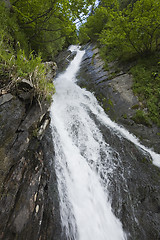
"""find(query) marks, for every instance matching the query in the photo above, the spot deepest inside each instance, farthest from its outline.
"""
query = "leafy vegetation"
(128, 30)
(141, 117)
(146, 85)
(48, 24)
(31, 32)
(15, 65)
(132, 30)
(94, 25)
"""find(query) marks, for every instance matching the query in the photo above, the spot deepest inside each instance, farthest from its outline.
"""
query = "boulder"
(5, 98)
(25, 90)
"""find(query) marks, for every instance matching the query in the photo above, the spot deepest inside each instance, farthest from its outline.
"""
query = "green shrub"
(15, 63)
(141, 118)
(34, 70)
(134, 29)
(146, 85)
(19, 67)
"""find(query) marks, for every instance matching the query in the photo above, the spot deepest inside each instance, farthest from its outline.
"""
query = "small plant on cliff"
(35, 71)
(14, 62)
(19, 67)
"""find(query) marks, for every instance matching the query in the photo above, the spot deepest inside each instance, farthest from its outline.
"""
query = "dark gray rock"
(29, 201)
(64, 59)
(11, 115)
(113, 89)
(25, 90)
(5, 98)
(134, 187)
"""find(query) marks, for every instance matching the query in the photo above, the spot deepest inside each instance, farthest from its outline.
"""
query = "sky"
(84, 17)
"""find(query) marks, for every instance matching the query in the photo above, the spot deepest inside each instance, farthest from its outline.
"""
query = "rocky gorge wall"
(29, 204)
(113, 89)
(135, 182)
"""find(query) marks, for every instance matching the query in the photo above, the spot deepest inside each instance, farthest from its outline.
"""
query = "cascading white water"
(86, 212)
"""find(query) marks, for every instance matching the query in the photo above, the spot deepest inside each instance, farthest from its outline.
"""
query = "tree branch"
(49, 41)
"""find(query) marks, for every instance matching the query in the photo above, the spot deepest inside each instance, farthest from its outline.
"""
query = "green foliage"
(142, 118)
(93, 26)
(49, 25)
(14, 63)
(125, 3)
(124, 31)
(10, 32)
(33, 69)
(110, 102)
(42, 28)
(146, 85)
(132, 30)
(136, 106)
(124, 116)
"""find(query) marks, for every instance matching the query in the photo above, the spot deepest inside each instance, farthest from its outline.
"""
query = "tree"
(48, 24)
(134, 29)
(94, 25)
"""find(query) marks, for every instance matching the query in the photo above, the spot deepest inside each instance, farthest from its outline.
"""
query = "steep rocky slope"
(134, 184)
(29, 205)
(113, 89)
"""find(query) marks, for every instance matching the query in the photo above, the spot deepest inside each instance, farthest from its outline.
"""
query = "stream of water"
(86, 212)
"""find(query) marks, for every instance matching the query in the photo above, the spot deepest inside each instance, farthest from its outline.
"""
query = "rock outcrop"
(64, 59)
(134, 183)
(29, 204)
(134, 188)
(113, 89)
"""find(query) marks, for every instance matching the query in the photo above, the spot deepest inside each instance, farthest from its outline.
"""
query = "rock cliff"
(113, 89)
(29, 205)
(134, 184)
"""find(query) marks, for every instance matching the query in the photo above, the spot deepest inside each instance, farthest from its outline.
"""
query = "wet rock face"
(51, 70)
(134, 182)
(113, 89)
(11, 114)
(64, 59)
(134, 187)
(29, 203)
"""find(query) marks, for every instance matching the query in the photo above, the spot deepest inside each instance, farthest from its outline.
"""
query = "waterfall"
(83, 160)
